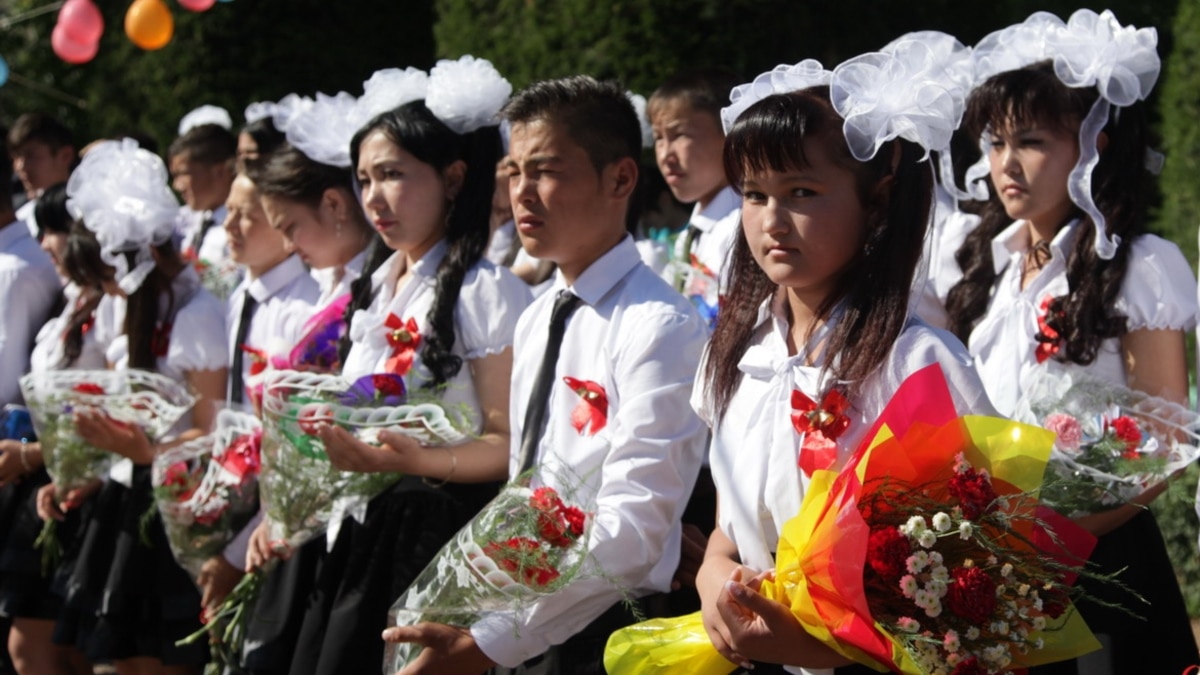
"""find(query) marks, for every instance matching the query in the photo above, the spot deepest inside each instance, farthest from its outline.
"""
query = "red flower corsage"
(1048, 339)
(591, 413)
(258, 359)
(405, 340)
(821, 426)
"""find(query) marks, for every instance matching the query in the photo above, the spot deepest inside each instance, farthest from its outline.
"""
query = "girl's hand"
(261, 549)
(348, 453)
(710, 582)
(13, 465)
(127, 440)
(48, 506)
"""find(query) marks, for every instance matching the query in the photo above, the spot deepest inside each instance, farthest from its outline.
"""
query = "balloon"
(197, 5)
(148, 24)
(3, 71)
(81, 21)
(69, 50)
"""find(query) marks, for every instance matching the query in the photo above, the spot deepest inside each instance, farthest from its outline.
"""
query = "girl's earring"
(337, 229)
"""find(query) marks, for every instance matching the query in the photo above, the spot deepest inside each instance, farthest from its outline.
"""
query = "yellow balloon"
(148, 24)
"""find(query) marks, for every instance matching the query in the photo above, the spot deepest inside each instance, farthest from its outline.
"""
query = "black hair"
(265, 135)
(596, 115)
(1086, 315)
(421, 134)
(206, 144)
(145, 330)
(290, 174)
(874, 286)
(50, 212)
(39, 127)
(704, 90)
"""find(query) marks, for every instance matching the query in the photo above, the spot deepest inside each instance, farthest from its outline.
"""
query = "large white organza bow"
(884, 96)
(205, 114)
(639, 107)
(782, 79)
(1122, 63)
(391, 88)
(322, 128)
(466, 94)
(121, 194)
(260, 110)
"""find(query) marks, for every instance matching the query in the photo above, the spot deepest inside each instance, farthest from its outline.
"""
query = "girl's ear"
(453, 177)
(333, 205)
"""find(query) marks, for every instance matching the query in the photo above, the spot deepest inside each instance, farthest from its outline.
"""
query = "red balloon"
(197, 5)
(70, 50)
(81, 20)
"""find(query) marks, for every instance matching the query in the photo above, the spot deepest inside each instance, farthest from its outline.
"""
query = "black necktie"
(236, 381)
(539, 396)
(205, 225)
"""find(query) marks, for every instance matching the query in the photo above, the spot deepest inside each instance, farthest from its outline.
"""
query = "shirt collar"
(1015, 239)
(426, 267)
(276, 278)
(13, 233)
(603, 275)
(724, 203)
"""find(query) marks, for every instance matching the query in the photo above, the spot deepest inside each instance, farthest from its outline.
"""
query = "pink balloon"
(197, 5)
(82, 21)
(70, 50)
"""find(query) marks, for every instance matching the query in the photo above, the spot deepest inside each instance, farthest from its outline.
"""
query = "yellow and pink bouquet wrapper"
(965, 599)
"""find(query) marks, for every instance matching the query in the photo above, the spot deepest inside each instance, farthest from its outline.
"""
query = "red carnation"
(545, 499)
(575, 520)
(974, 492)
(972, 594)
(387, 385)
(88, 388)
(552, 527)
(1126, 430)
(887, 551)
(969, 666)
(524, 556)
(1055, 602)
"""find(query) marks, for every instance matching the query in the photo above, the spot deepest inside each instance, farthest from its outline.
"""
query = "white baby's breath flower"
(941, 521)
(908, 625)
(965, 530)
(917, 562)
(972, 633)
(914, 526)
(927, 538)
(908, 585)
(951, 641)
(1007, 570)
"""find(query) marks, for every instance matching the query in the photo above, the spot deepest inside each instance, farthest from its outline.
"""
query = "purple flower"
(380, 389)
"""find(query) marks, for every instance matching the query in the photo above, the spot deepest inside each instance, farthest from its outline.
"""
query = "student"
(820, 276)
(29, 286)
(131, 602)
(64, 342)
(202, 169)
(43, 154)
(1066, 274)
(685, 116)
(572, 168)
(259, 137)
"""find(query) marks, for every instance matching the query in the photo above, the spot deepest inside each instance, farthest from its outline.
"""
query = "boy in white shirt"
(43, 154)
(202, 170)
(571, 170)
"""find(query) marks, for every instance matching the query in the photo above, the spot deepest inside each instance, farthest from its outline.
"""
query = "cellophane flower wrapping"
(1111, 443)
(301, 491)
(220, 278)
(927, 553)
(133, 397)
(207, 489)
(525, 544)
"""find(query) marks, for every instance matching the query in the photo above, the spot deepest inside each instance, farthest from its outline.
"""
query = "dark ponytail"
(415, 129)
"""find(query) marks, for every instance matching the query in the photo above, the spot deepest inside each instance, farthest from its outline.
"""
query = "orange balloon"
(148, 24)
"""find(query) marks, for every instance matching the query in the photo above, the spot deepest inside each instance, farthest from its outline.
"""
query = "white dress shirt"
(286, 297)
(48, 349)
(501, 242)
(755, 448)
(331, 285)
(27, 213)
(214, 249)
(1157, 293)
(28, 288)
(640, 340)
(489, 302)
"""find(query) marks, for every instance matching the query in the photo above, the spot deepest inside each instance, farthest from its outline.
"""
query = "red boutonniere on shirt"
(404, 339)
(1048, 339)
(258, 359)
(821, 425)
(160, 342)
(591, 413)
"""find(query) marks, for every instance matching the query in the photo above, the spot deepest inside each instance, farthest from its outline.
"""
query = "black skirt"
(274, 625)
(371, 565)
(1162, 641)
(125, 594)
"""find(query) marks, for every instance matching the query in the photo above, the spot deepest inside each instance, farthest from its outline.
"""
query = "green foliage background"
(250, 50)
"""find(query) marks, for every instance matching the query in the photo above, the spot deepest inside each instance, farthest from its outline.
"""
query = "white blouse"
(755, 449)
(48, 349)
(331, 285)
(1157, 293)
(489, 302)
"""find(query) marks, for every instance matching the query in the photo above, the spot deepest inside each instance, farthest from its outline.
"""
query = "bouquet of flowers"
(303, 493)
(927, 553)
(221, 278)
(131, 397)
(524, 544)
(1111, 443)
(207, 489)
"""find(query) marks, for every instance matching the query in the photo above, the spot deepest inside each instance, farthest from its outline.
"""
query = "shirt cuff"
(499, 636)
